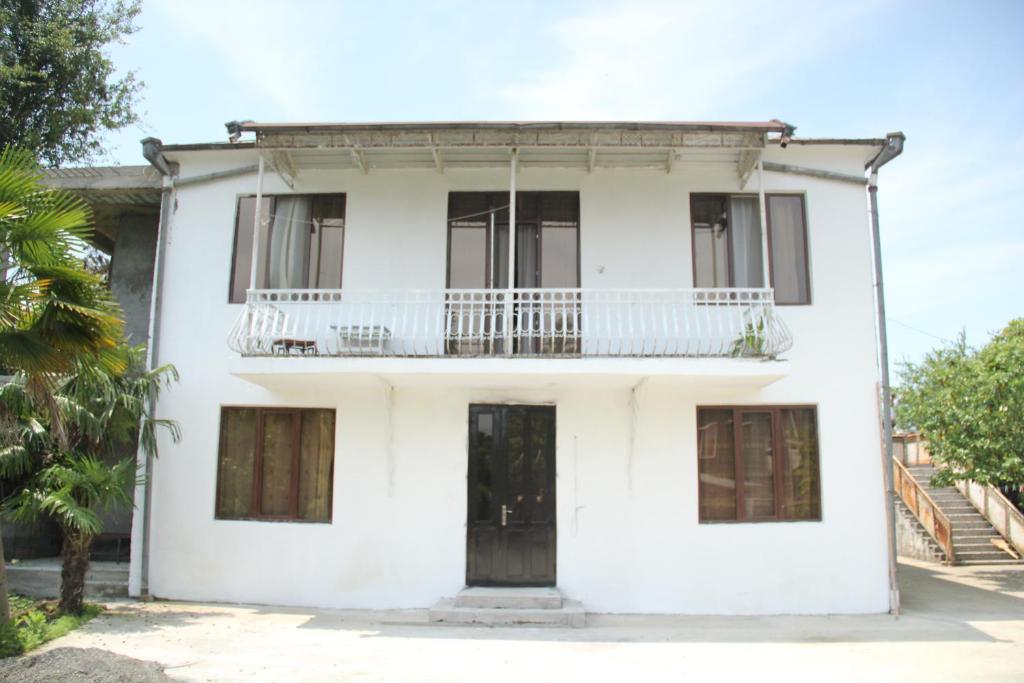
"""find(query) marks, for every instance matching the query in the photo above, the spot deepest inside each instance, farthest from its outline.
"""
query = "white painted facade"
(628, 537)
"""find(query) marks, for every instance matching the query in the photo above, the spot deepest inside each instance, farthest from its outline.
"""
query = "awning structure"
(291, 148)
(111, 192)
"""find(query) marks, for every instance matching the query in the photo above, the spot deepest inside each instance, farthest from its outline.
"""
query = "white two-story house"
(635, 362)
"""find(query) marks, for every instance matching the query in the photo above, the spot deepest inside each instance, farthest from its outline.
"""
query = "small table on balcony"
(288, 346)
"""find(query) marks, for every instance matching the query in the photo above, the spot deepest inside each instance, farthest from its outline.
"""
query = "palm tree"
(101, 413)
(52, 310)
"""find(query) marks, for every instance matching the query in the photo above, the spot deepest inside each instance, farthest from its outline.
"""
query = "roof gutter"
(893, 148)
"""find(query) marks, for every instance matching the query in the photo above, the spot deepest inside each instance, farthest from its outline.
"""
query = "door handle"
(504, 515)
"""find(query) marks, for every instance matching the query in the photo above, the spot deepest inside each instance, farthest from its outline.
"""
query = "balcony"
(518, 323)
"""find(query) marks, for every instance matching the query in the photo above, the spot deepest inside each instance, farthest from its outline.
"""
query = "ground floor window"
(275, 463)
(758, 463)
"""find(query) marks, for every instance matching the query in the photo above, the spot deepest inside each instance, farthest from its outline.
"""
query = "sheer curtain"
(745, 238)
(289, 243)
(788, 249)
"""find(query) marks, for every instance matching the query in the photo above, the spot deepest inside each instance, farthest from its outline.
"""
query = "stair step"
(961, 546)
(487, 597)
(1008, 560)
(571, 614)
(994, 554)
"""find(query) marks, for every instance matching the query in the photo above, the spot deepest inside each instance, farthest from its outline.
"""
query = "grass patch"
(34, 622)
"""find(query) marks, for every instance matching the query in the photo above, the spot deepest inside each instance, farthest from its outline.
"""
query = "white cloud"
(272, 48)
(658, 60)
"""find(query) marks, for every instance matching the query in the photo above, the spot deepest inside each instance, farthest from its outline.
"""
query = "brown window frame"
(257, 465)
(272, 198)
(768, 234)
(777, 462)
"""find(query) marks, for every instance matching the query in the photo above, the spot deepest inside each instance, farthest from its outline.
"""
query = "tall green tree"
(90, 469)
(969, 405)
(53, 312)
(59, 89)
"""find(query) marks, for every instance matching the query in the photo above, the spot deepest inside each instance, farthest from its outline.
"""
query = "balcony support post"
(257, 225)
(762, 205)
(509, 310)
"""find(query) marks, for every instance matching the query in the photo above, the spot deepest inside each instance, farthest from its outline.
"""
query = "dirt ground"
(958, 624)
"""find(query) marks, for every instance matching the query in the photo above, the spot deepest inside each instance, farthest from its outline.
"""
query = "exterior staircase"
(972, 534)
(509, 607)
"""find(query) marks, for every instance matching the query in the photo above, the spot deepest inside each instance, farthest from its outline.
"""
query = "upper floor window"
(727, 244)
(301, 248)
(758, 463)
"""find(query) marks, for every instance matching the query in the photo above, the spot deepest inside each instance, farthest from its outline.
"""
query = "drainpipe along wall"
(893, 148)
(138, 571)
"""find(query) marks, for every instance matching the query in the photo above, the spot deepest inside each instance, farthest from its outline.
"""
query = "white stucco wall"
(628, 537)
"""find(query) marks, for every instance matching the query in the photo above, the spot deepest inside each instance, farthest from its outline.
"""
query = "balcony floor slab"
(722, 372)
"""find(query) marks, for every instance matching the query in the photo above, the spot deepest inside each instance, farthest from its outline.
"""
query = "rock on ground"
(80, 665)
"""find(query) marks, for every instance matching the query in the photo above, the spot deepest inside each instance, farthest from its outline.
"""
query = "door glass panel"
(527, 273)
(800, 477)
(327, 241)
(758, 465)
(710, 242)
(278, 432)
(560, 258)
(717, 464)
(516, 462)
(482, 453)
(542, 431)
(468, 257)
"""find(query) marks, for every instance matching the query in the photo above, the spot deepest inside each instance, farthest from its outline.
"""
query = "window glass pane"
(800, 475)
(789, 249)
(744, 228)
(242, 255)
(716, 458)
(237, 457)
(758, 465)
(316, 457)
(278, 433)
(710, 241)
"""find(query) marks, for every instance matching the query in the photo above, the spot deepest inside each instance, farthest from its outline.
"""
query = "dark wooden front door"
(510, 532)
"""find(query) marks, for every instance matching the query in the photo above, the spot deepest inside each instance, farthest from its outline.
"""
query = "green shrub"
(34, 623)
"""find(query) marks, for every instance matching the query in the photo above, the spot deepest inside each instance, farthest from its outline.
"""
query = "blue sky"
(950, 75)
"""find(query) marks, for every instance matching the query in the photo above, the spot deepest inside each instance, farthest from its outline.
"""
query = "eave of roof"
(773, 125)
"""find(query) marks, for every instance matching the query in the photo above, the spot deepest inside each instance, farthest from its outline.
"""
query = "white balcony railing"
(525, 322)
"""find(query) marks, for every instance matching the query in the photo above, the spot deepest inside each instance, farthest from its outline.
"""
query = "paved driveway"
(959, 624)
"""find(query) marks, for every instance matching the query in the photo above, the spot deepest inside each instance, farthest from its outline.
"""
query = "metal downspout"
(138, 577)
(893, 148)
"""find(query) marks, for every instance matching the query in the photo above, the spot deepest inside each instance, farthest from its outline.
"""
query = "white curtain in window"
(289, 243)
(788, 249)
(745, 237)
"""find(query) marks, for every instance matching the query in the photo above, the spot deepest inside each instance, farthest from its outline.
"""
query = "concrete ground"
(958, 624)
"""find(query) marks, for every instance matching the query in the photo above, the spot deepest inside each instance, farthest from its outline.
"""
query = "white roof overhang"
(291, 149)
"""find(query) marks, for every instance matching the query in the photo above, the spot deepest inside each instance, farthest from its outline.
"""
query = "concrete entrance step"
(487, 597)
(570, 614)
